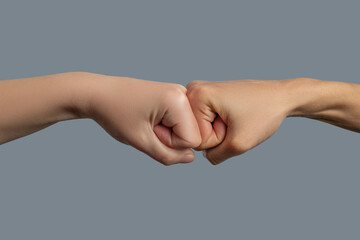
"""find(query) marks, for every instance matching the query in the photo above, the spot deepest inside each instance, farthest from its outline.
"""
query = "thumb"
(168, 137)
(230, 147)
(178, 127)
(211, 124)
(212, 133)
(164, 154)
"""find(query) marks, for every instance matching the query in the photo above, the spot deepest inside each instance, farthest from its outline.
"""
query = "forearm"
(337, 103)
(31, 104)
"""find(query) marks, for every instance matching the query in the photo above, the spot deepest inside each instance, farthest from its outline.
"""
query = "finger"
(179, 128)
(169, 138)
(219, 129)
(211, 125)
(212, 128)
(230, 147)
(167, 155)
(147, 142)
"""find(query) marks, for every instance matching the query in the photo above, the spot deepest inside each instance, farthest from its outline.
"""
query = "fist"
(235, 116)
(154, 117)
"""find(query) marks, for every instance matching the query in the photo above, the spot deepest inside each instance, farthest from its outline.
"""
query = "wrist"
(90, 92)
(314, 98)
(79, 89)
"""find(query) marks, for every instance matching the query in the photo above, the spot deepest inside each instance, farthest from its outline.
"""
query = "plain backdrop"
(73, 181)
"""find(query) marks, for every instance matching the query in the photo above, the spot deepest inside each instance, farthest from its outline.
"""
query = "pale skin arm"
(153, 117)
(236, 116)
(31, 104)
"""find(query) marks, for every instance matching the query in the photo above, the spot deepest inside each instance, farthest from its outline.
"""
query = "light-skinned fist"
(154, 117)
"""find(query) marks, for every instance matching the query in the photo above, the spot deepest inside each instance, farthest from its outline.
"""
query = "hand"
(157, 119)
(235, 116)
(153, 117)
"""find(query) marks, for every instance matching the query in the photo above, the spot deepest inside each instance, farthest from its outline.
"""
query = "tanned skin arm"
(235, 116)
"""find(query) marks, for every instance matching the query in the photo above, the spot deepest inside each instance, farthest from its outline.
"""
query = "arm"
(154, 117)
(337, 103)
(236, 116)
(31, 104)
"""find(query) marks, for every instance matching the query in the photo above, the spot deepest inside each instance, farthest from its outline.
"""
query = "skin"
(236, 116)
(166, 120)
(156, 118)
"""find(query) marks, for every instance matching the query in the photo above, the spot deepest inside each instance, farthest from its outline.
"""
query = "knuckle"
(176, 97)
(166, 159)
(178, 88)
(197, 141)
(159, 155)
(193, 84)
(175, 92)
(193, 143)
(181, 88)
(198, 92)
(194, 139)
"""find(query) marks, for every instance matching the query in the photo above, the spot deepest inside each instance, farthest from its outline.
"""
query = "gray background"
(73, 181)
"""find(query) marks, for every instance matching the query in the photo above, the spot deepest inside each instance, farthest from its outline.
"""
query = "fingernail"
(188, 158)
